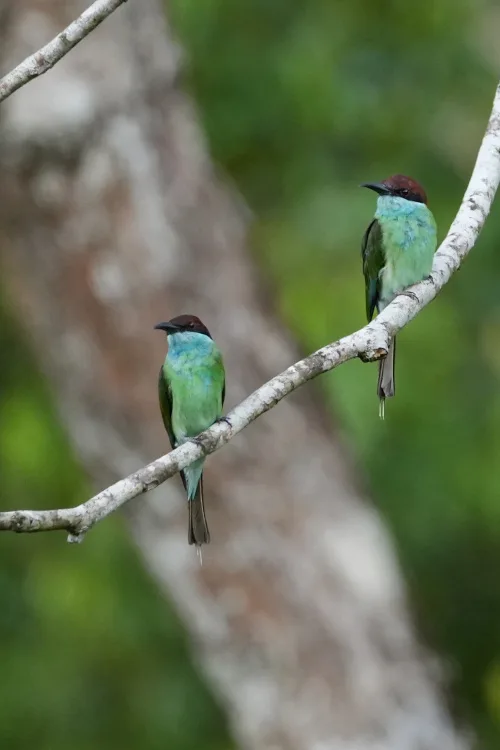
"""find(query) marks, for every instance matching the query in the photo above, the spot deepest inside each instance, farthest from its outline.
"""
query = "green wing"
(165, 396)
(222, 376)
(372, 254)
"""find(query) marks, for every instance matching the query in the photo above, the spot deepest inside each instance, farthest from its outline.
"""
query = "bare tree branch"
(46, 57)
(369, 343)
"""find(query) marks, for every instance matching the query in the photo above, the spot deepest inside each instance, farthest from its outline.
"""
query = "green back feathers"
(373, 262)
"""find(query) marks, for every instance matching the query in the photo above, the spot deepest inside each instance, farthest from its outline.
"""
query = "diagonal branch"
(369, 343)
(46, 57)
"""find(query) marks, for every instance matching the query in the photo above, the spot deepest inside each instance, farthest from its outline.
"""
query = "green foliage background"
(300, 102)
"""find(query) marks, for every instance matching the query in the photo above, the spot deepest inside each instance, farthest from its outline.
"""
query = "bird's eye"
(405, 191)
(191, 325)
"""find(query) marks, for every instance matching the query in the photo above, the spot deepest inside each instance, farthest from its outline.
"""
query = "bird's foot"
(411, 295)
(374, 355)
(226, 420)
(197, 441)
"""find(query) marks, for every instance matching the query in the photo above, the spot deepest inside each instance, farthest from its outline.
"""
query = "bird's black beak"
(168, 327)
(379, 187)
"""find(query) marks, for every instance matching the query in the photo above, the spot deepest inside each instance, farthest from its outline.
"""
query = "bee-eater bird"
(191, 388)
(397, 251)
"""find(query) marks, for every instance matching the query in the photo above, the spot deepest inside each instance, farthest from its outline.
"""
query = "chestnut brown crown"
(401, 186)
(184, 323)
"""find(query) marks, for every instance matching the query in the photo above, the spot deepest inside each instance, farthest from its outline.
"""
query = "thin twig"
(369, 343)
(46, 57)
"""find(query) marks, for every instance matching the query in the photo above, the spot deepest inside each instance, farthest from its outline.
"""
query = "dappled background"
(300, 103)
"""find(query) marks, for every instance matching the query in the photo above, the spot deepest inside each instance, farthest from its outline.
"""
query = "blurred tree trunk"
(111, 219)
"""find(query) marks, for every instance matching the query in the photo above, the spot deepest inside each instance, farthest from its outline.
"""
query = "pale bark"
(111, 220)
(47, 56)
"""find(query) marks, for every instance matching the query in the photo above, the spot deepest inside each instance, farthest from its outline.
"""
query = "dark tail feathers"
(198, 532)
(386, 386)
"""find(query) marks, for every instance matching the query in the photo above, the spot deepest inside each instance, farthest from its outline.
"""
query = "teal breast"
(410, 240)
(193, 367)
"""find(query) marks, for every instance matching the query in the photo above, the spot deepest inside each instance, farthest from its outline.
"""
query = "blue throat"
(392, 207)
(189, 342)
